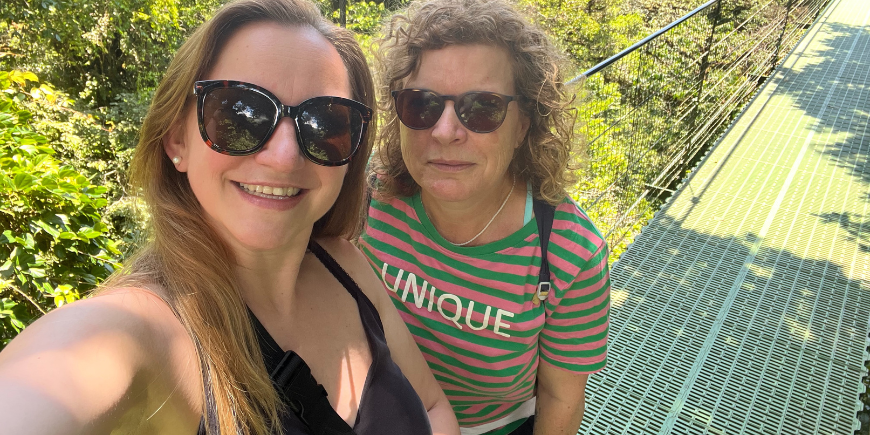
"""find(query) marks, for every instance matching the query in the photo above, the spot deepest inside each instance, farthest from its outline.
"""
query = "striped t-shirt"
(470, 309)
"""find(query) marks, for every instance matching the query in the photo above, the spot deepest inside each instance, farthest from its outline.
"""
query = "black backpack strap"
(544, 214)
(306, 398)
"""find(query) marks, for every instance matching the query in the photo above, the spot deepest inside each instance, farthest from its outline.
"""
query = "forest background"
(76, 78)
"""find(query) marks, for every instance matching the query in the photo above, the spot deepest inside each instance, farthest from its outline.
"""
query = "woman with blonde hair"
(470, 211)
(251, 160)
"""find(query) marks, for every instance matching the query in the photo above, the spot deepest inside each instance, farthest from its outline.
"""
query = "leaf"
(49, 183)
(48, 229)
(23, 116)
(89, 233)
(28, 241)
(113, 247)
(67, 235)
(98, 190)
(6, 268)
(17, 324)
(67, 187)
(21, 77)
(22, 181)
(67, 172)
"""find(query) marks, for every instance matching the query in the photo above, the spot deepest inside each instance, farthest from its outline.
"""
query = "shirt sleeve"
(574, 337)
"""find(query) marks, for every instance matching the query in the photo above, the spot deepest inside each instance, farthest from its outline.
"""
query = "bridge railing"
(651, 111)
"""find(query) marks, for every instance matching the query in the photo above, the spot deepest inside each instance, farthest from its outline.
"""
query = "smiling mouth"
(270, 192)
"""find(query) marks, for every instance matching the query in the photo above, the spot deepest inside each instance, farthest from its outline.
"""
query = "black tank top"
(388, 405)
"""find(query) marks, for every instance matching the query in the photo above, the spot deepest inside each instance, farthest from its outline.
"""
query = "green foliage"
(109, 56)
(101, 153)
(364, 18)
(53, 240)
(98, 51)
(588, 30)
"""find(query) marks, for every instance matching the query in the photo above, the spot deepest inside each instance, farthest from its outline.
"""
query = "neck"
(461, 221)
(267, 280)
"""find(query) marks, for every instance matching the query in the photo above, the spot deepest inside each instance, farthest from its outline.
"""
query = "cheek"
(205, 170)
(408, 140)
(334, 180)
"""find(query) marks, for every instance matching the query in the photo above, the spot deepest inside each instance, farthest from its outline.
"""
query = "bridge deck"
(743, 307)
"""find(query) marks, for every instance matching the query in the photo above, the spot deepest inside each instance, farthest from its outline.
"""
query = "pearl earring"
(176, 160)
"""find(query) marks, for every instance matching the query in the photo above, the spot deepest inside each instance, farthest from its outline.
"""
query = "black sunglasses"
(237, 118)
(480, 112)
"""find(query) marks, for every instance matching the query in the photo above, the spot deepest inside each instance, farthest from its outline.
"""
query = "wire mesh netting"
(650, 112)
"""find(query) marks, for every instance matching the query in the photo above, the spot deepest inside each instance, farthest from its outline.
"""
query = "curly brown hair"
(545, 154)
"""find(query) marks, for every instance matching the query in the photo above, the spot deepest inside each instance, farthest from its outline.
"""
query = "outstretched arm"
(85, 369)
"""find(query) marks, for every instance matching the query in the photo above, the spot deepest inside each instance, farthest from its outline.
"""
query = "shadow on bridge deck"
(744, 306)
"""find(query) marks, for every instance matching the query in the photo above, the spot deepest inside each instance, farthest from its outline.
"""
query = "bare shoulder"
(97, 357)
(358, 267)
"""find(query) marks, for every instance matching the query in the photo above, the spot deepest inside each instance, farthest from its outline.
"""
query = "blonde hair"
(187, 259)
(544, 156)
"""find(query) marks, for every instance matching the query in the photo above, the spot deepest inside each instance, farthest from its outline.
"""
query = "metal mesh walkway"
(744, 306)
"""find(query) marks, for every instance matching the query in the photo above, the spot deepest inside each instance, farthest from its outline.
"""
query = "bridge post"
(775, 60)
(702, 78)
(342, 12)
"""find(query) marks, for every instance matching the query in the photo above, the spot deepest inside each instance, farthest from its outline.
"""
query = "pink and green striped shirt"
(471, 309)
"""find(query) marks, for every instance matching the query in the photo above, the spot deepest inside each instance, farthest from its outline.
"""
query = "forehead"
(293, 62)
(461, 68)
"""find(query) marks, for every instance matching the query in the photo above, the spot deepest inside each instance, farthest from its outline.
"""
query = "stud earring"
(176, 160)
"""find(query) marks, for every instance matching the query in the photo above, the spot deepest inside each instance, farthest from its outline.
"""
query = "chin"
(450, 192)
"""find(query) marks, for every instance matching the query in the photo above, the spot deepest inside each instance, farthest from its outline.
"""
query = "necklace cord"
(487, 224)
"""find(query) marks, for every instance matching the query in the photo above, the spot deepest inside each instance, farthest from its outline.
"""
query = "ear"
(174, 145)
(525, 122)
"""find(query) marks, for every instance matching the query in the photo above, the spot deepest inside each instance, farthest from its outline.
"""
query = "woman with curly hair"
(252, 161)
(478, 135)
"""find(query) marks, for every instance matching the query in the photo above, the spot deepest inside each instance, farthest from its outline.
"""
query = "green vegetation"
(54, 242)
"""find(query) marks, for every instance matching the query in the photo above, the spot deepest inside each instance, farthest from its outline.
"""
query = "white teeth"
(270, 191)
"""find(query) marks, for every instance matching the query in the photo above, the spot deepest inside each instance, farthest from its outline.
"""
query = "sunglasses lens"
(481, 112)
(418, 110)
(330, 131)
(237, 120)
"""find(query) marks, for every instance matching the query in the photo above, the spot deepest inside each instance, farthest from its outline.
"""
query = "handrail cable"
(639, 44)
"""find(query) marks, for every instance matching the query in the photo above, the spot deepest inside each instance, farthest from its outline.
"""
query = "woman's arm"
(86, 368)
(403, 349)
(560, 400)
(573, 342)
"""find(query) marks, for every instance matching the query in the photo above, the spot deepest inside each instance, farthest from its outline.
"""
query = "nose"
(448, 129)
(282, 151)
